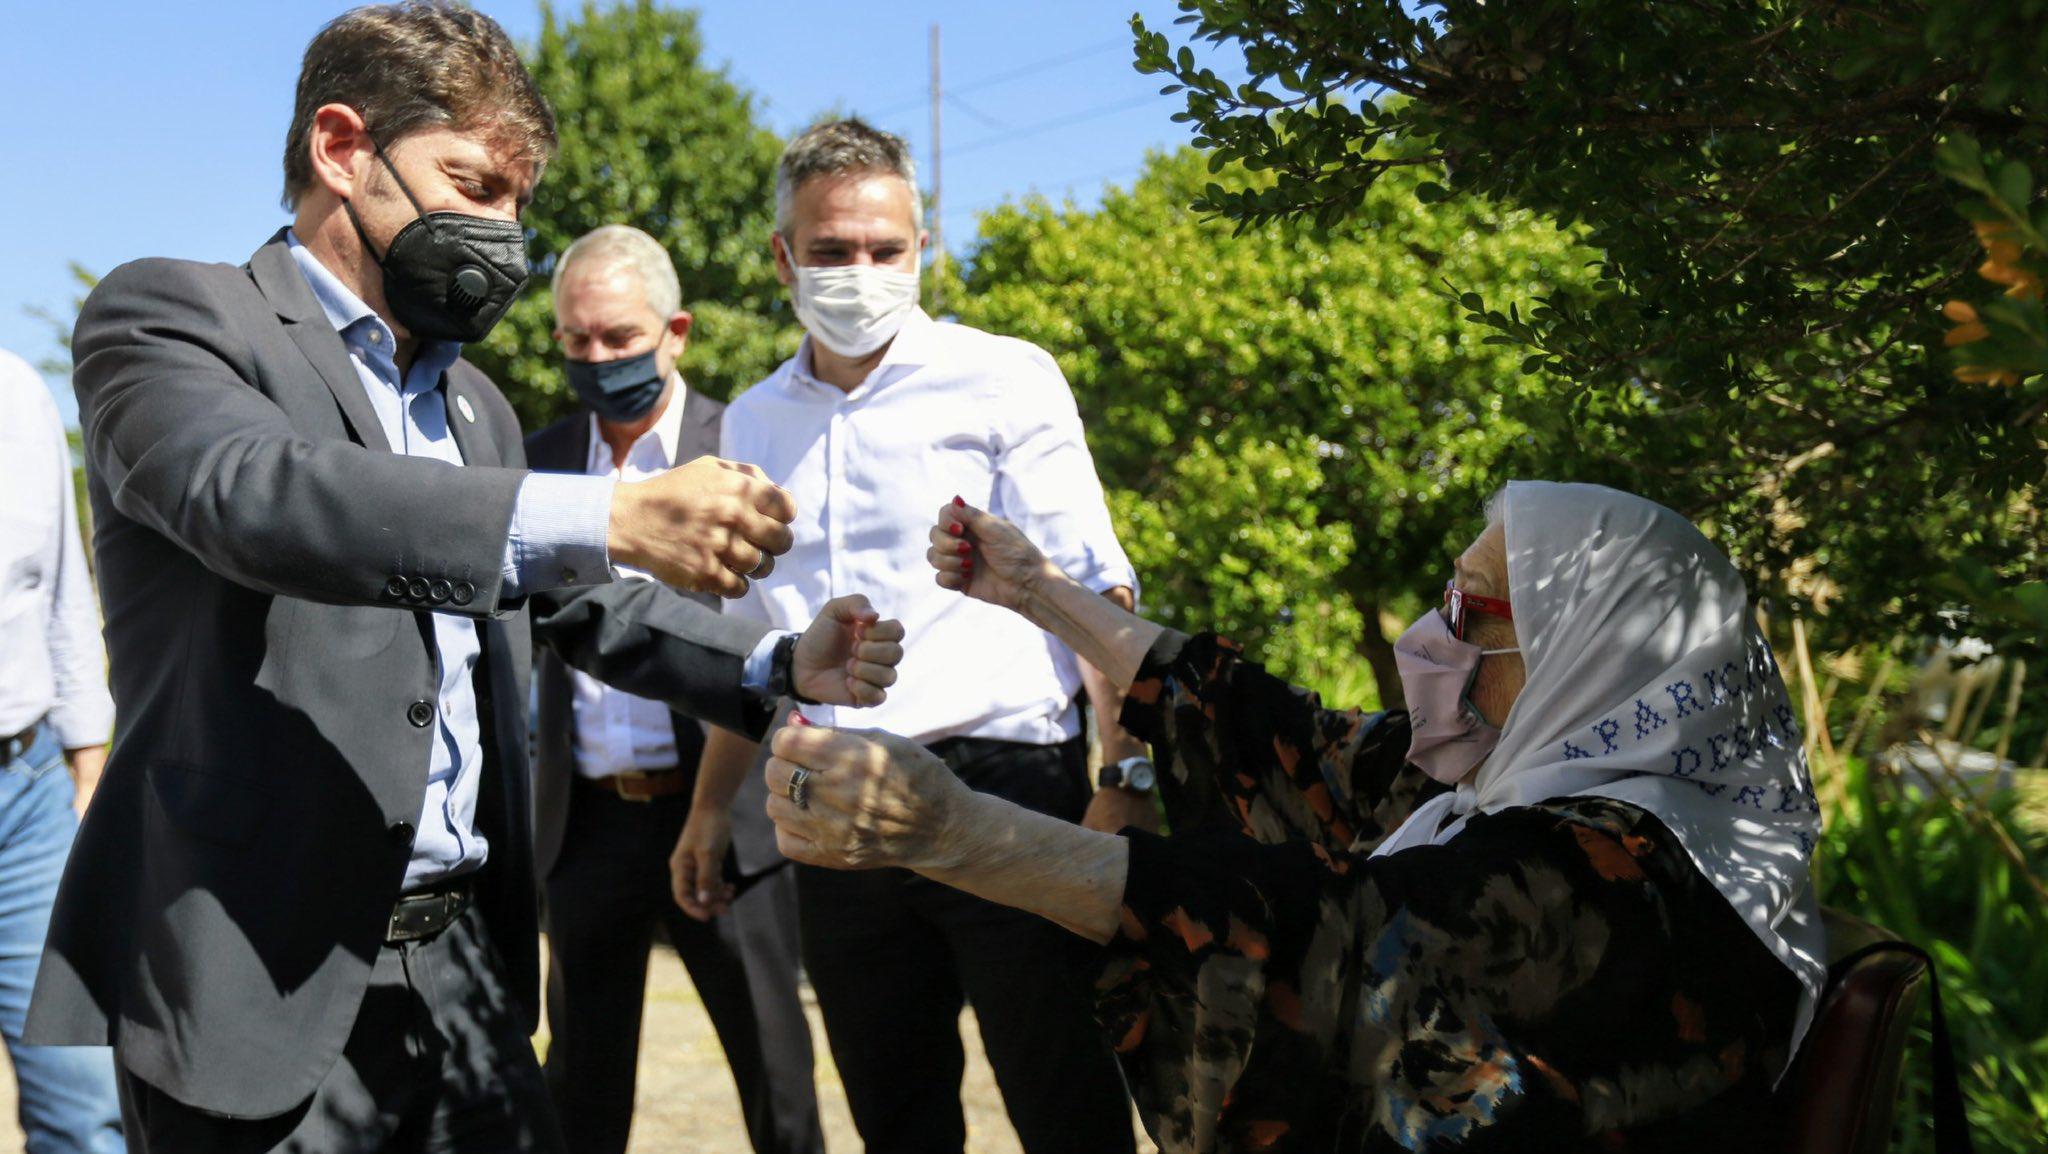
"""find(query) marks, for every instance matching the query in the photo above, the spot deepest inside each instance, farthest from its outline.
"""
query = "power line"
(1080, 117)
(1017, 73)
(1065, 183)
(976, 113)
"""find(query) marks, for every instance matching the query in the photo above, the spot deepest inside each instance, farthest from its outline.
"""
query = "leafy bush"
(1927, 866)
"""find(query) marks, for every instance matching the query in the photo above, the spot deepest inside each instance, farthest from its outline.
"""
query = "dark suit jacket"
(266, 565)
(564, 447)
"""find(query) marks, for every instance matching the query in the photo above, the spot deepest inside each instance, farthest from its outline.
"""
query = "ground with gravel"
(686, 1097)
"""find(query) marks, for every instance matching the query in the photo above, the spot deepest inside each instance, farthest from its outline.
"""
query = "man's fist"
(849, 654)
(705, 527)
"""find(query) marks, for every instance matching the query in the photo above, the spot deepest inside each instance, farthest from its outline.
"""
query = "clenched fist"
(705, 527)
(849, 654)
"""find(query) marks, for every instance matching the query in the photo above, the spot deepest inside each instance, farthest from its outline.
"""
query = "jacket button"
(395, 586)
(438, 591)
(419, 713)
(401, 833)
(463, 593)
(417, 590)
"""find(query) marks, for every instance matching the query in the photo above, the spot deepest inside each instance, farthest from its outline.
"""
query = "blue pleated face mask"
(621, 391)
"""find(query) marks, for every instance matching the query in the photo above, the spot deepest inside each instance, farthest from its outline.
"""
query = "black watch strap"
(782, 671)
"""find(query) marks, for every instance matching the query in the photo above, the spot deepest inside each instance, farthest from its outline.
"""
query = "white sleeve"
(84, 712)
(1046, 483)
(733, 446)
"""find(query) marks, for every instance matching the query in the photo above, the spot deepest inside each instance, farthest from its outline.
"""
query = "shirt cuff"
(1103, 578)
(88, 720)
(760, 663)
(559, 529)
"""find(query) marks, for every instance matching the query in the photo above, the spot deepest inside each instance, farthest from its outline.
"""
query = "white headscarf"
(1650, 683)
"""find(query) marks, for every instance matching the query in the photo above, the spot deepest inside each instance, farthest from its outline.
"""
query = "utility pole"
(938, 230)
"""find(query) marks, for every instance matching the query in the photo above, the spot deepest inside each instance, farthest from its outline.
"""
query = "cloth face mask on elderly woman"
(1449, 737)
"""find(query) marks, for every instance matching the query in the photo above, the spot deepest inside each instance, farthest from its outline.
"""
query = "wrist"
(957, 813)
(1036, 590)
(1134, 775)
(621, 544)
(782, 672)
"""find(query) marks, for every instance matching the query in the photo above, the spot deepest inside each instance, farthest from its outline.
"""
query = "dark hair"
(409, 65)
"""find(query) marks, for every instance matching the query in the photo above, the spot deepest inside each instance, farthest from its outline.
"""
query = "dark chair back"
(1841, 1096)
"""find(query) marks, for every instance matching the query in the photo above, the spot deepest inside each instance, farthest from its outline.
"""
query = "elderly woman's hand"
(869, 799)
(984, 556)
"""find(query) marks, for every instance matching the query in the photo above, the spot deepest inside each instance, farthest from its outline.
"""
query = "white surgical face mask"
(853, 309)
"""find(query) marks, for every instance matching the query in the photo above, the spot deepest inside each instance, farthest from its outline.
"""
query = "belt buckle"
(19, 744)
(618, 784)
(421, 916)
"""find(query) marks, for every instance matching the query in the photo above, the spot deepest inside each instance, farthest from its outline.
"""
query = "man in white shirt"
(54, 712)
(616, 787)
(882, 415)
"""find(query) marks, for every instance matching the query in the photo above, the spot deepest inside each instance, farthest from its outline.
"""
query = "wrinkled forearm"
(1013, 856)
(1103, 634)
(1107, 698)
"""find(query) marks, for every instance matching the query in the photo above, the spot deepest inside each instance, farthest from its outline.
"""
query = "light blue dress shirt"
(559, 526)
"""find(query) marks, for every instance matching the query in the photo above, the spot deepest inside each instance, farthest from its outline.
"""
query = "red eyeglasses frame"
(1457, 601)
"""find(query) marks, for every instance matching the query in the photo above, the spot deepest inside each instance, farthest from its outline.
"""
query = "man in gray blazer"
(301, 907)
(616, 782)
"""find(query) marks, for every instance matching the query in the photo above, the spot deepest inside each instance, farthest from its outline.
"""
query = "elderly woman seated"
(1560, 903)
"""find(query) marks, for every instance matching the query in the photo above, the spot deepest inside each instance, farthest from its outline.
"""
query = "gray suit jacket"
(266, 566)
(564, 447)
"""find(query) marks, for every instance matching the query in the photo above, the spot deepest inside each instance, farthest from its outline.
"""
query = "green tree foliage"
(652, 136)
(1290, 419)
(1775, 241)
(1907, 856)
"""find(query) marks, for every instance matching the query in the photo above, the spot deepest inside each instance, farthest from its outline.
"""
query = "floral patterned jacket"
(1555, 977)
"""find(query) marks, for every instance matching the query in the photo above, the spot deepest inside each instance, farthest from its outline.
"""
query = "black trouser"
(892, 955)
(608, 894)
(438, 1061)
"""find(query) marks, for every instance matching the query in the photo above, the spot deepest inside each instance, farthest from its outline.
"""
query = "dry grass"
(686, 1096)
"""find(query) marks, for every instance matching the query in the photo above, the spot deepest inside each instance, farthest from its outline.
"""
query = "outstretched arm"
(1272, 760)
(874, 799)
(987, 558)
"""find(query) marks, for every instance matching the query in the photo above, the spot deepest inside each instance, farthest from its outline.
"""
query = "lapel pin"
(462, 402)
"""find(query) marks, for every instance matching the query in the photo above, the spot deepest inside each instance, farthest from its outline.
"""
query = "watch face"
(1140, 777)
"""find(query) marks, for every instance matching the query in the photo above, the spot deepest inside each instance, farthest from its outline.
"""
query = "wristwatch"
(782, 671)
(1132, 773)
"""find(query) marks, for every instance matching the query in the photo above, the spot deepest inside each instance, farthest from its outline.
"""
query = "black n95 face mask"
(448, 276)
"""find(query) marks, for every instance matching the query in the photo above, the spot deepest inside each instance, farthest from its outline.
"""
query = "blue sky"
(152, 129)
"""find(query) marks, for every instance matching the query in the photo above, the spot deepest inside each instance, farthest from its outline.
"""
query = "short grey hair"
(836, 147)
(621, 246)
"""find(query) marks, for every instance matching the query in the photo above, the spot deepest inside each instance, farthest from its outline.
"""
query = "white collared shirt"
(949, 411)
(617, 732)
(52, 664)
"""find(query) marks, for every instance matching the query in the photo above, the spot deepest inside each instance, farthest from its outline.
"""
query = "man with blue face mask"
(616, 787)
(882, 415)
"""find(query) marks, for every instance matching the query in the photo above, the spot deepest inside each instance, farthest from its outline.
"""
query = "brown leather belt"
(641, 785)
(418, 917)
(18, 744)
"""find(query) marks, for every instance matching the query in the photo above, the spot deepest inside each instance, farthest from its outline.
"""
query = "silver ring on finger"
(761, 570)
(800, 788)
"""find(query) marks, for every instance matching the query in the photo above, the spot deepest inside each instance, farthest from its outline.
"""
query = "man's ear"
(785, 257)
(341, 146)
(678, 330)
